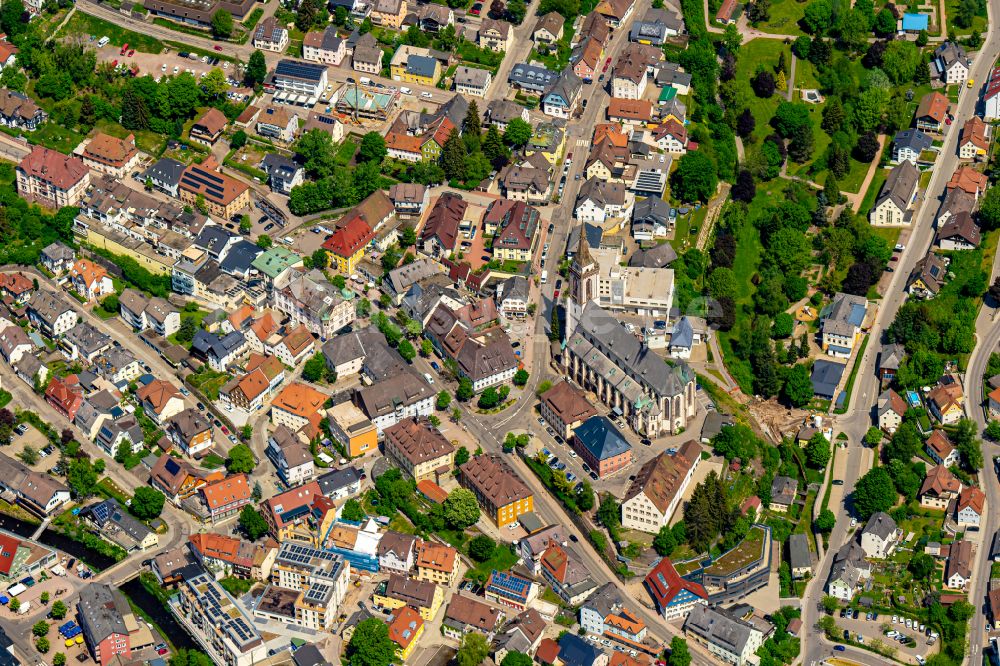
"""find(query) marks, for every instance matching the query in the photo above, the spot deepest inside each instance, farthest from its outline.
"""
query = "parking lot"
(156, 65)
(877, 627)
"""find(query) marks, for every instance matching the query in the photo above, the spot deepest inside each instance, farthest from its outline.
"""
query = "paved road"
(859, 414)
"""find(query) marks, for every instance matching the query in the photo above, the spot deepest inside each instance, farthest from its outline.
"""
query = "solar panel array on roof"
(299, 70)
(172, 466)
(213, 184)
(101, 511)
(509, 585)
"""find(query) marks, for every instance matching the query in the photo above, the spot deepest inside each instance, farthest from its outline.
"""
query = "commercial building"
(726, 636)
(226, 497)
(437, 563)
(465, 615)
(51, 178)
(602, 446)
(228, 556)
(674, 596)
(109, 626)
(296, 406)
(563, 571)
(223, 195)
(658, 487)
(310, 299)
(353, 429)
(110, 155)
(320, 579)
(298, 83)
(419, 449)
(400, 590)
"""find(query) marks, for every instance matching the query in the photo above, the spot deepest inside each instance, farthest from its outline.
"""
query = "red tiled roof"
(229, 490)
(8, 549)
(351, 236)
(63, 171)
(664, 583)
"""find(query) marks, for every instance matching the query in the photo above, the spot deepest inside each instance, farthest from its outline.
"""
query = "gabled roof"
(664, 584)
(940, 444)
(971, 498)
(913, 139)
(660, 479)
(350, 237)
(940, 482)
(444, 219)
(933, 106)
(960, 227)
(931, 271)
(900, 185)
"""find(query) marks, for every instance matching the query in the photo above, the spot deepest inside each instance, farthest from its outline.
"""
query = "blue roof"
(825, 377)
(601, 438)
(857, 314)
(574, 651)
(419, 65)
(683, 335)
(915, 22)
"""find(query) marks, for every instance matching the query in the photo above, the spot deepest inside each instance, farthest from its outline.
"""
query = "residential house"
(283, 174)
(223, 195)
(958, 570)
(515, 228)
(275, 122)
(960, 232)
(155, 313)
(225, 556)
(409, 199)
(191, 431)
(969, 180)
(402, 590)
(324, 47)
(419, 449)
(57, 258)
(472, 80)
(533, 79)
(431, 18)
(522, 634)
(940, 448)
(656, 27)
(226, 497)
(219, 351)
(439, 235)
(405, 629)
(346, 245)
(784, 490)
(952, 63)
(586, 58)
(160, 400)
(367, 56)
(507, 589)
(975, 140)
(630, 111)
(288, 513)
(437, 563)
(495, 35)
(841, 322)
(598, 200)
(208, 128)
(654, 494)
(605, 614)
(615, 12)
(309, 298)
(562, 96)
(291, 457)
(498, 489)
(548, 29)
(109, 626)
(270, 36)
(879, 537)
(388, 13)
(465, 615)
(119, 527)
(90, 280)
(388, 401)
(411, 64)
(849, 572)
(931, 112)
(18, 111)
(671, 136)
(890, 408)
(947, 403)
(65, 395)
(110, 155)
(928, 276)
(296, 406)
(512, 297)
(970, 506)
(51, 314)
(397, 553)
(14, 343)
(799, 559)
(909, 144)
(892, 206)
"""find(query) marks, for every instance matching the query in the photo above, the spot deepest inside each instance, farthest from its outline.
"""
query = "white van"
(102, 42)
(365, 81)
(545, 277)
(405, 90)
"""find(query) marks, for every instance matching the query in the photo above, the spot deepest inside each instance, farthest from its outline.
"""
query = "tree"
(256, 70)
(763, 83)
(15, 604)
(885, 23)
(28, 455)
(252, 523)
(797, 389)
(967, 442)
(993, 430)
(461, 509)
(518, 132)
(58, 659)
(817, 17)
(464, 392)
(555, 325)
(520, 377)
(406, 350)
(147, 503)
(314, 368)
(58, 610)
(481, 548)
(825, 521)
(443, 400)
(921, 566)
(135, 112)
(818, 451)
(966, 13)
(759, 11)
(370, 644)
(679, 655)
(461, 456)
(830, 604)
(372, 148)
(222, 23)
(264, 241)
(745, 123)
(695, 178)
(241, 460)
(82, 477)
(489, 398)
(353, 511)
(473, 650)
(493, 147)
(40, 628)
(472, 127)
(42, 645)
(453, 155)
(585, 498)
(732, 39)
(873, 492)
(989, 210)
(664, 542)
(515, 658)
(866, 150)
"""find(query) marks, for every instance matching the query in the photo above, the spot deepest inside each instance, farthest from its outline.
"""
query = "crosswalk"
(582, 143)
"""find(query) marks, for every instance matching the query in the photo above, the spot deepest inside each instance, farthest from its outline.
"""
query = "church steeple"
(583, 273)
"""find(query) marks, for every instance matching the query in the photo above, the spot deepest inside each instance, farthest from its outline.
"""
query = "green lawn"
(785, 17)
(148, 142)
(855, 177)
(56, 137)
(805, 74)
(82, 24)
(979, 23)
(873, 189)
(503, 559)
(763, 52)
(345, 151)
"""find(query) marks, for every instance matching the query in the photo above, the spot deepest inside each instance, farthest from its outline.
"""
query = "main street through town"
(860, 411)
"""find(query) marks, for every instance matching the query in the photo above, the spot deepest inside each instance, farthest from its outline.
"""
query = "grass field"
(82, 24)
(53, 136)
(979, 23)
(762, 52)
(785, 17)
(148, 142)
(873, 189)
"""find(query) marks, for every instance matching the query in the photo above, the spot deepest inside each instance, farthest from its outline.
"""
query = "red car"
(131, 53)
(114, 63)
(217, 47)
(476, 9)
(225, 430)
(161, 651)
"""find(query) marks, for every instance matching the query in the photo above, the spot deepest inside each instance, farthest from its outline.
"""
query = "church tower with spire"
(583, 283)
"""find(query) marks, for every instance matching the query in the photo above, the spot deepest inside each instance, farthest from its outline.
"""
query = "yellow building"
(425, 596)
(389, 13)
(498, 489)
(437, 563)
(353, 429)
(405, 629)
(411, 64)
(347, 244)
(118, 243)
(548, 140)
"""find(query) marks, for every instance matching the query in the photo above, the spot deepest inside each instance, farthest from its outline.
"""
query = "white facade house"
(653, 496)
(878, 538)
(952, 63)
